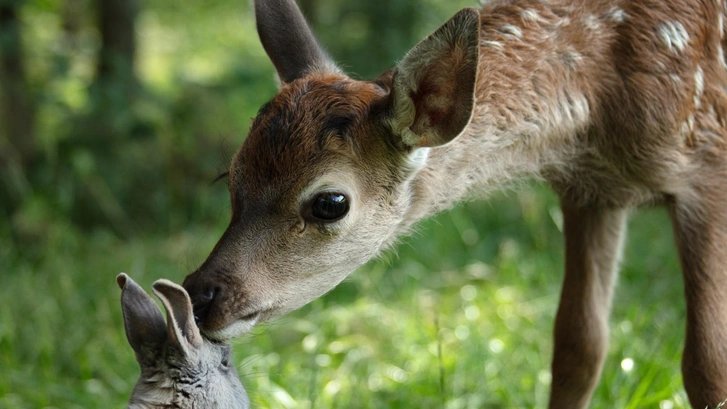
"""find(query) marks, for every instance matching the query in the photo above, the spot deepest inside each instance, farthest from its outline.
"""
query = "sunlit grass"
(459, 317)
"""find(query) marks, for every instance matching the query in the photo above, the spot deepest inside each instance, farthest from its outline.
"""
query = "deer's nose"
(202, 301)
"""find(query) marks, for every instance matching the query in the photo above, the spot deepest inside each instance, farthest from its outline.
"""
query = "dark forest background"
(117, 113)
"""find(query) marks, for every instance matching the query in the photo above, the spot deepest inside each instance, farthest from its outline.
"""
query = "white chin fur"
(418, 158)
(233, 330)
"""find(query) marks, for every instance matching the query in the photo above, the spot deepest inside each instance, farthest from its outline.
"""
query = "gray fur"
(179, 368)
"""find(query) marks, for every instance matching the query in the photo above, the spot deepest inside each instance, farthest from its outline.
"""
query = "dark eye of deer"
(329, 206)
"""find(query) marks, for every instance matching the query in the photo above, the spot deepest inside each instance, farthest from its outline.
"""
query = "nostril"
(202, 302)
(199, 312)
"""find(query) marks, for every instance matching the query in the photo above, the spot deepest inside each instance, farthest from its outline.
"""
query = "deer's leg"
(593, 238)
(700, 228)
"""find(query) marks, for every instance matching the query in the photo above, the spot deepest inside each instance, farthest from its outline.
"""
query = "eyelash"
(220, 177)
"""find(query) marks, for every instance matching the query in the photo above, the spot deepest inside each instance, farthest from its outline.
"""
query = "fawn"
(179, 368)
(616, 104)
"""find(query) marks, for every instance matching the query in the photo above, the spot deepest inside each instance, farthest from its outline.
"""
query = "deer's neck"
(539, 74)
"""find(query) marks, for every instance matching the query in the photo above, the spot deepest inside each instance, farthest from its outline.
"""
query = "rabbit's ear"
(143, 322)
(180, 319)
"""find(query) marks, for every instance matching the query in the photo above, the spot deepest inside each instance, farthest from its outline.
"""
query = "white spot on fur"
(572, 108)
(571, 58)
(579, 108)
(673, 35)
(617, 15)
(720, 23)
(711, 111)
(492, 44)
(698, 86)
(661, 67)
(720, 56)
(418, 158)
(530, 15)
(688, 125)
(592, 23)
(684, 129)
(511, 30)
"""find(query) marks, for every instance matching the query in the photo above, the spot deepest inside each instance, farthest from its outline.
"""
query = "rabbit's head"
(179, 368)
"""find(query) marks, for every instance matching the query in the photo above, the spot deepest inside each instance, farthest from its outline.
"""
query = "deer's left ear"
(434, 85)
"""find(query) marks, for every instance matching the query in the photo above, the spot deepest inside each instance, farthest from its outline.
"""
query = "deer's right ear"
(288, 40)
(433, 87)
(143, 322)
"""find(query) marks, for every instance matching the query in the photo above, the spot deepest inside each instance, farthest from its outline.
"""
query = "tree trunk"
(16, 105)
(18, 153)
(115, 86)
(116, 21)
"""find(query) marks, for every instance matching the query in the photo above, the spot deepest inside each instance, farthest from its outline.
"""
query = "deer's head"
(323, 181)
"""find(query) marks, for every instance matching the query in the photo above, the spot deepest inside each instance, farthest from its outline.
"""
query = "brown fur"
(617, 104)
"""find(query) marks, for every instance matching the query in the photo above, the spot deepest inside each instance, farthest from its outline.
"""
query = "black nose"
(201, 303)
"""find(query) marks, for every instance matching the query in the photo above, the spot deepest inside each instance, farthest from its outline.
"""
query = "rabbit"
(179, 368)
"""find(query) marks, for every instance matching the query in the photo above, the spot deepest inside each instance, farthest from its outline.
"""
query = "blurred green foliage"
(134, 153)
(112, 173)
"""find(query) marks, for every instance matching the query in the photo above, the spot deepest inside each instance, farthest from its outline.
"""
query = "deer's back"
(627, 97)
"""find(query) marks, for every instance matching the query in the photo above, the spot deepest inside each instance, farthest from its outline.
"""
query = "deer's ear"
(143, 322)
(434, 85)
(288, 40)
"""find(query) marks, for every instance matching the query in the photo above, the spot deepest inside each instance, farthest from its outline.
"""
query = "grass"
(459, 316)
